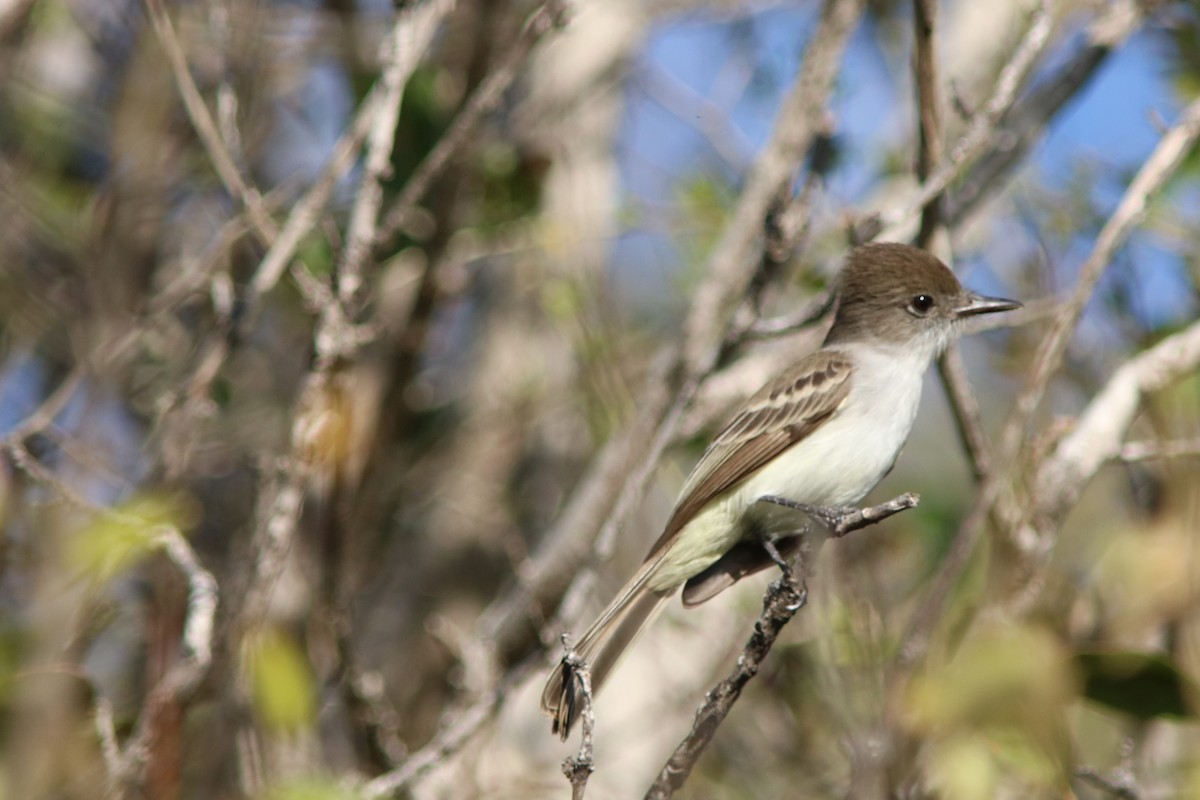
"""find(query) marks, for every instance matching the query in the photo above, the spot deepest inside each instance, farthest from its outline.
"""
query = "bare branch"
(798, 124)
(127, 769)
(43, 416)
(1098, 434)
(1120, 786)
(308, 208)
(579, 768)
(1023, 125)
(892, 225)
(487, 96)
(1150, 178)
(204, 124)
(411, 34)
(1154, 173)
(782, 600)
(449, 739)
(607, 495)
(1145, 451)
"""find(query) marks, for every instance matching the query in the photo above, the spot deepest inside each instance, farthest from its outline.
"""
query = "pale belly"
(838, 464)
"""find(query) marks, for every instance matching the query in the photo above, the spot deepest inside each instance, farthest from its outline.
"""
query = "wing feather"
(778, 416)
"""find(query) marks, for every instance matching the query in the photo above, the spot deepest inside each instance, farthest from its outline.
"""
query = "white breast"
(837, 464)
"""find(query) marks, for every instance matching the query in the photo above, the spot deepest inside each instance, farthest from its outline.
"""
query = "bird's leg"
(768, 544)
(796, 583)
(832, 516)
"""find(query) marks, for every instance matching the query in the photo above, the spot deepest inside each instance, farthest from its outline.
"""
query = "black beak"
(978, 304)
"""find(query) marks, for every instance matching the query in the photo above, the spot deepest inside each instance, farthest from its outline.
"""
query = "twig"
(813, 312)
(486, 96)
(891, 225)
(186, 674)
(929, 113)
(694, 109)
(1129, 213)
(782, 600)
(1099, 431)
(1023, 125)
(449, 739)
(43, 416)
(411, 35)
(280, 502)
(206, 128)
(308, 208)
(1144, 451)
(580, 767)
(740, 245)
(127, 766)
(1119, 786)
(106, 732)
(963, 405)
(1153, 174)
(607, 495)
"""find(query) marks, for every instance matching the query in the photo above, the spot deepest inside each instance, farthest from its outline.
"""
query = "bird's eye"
(921, 305)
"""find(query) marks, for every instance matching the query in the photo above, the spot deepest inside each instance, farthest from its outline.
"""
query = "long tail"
(635, 606)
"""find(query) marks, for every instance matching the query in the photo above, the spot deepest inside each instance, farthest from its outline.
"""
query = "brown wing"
(778, 416)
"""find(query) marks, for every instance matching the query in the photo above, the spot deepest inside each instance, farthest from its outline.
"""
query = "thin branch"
(1022, 127)
(980, 133)
(449, 739)
(411, 34)
(308, 208)
(204, 124)
(43, 416)
(1119, 786)
(1150, 178)
(1130, 212)
(963, 405)
(579, 768)
(487, 95)
(929, 113)
(1132, 452)
(106, 732)
(813, 312)
(782, 600)
(281, 500)
(799, 122)
(1098, 433)
(186, 674)
(607, 495)
(964, 408)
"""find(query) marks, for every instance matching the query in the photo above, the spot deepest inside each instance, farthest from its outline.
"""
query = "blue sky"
(744, 67)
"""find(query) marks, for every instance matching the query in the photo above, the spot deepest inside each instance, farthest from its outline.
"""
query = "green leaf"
(284, 686)
(1145, 685)
(114, 541)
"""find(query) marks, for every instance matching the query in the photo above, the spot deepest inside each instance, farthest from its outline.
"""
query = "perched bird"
(822, 433)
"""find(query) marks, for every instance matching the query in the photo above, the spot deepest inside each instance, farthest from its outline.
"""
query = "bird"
(822, 433)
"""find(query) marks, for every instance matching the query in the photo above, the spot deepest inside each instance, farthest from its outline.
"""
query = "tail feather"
(602, 646)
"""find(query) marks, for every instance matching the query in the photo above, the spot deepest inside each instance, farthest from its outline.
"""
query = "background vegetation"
(350, 354)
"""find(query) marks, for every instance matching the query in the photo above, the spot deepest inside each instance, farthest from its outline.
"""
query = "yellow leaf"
(282, 680)
(116, 540)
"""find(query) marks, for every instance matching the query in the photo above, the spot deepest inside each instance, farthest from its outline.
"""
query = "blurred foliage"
(997, 708)
(117, 539)
(511, 331)
(284, 688)
(309, 790)
(1143, 685)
